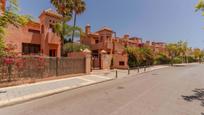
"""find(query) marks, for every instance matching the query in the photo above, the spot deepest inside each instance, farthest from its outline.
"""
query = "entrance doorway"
(53, 53)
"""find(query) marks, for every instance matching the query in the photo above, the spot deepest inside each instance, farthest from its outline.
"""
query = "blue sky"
(155, 20)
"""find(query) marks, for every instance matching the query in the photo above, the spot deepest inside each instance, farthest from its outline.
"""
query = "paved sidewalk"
(22, 93)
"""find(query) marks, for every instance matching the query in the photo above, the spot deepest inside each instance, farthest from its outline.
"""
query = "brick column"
(87, 61)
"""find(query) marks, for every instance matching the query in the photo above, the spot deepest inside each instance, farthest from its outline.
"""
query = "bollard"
(138, 69)
(144, 68)
(116, 74)
(128, 71)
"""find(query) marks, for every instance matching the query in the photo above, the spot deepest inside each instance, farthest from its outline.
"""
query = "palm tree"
(63, 7)
(172, 50)
(65, 31)
(182, 49)
(147, 55)
(78, 8)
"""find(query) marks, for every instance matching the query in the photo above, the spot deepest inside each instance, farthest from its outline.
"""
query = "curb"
(27, 98)
(146, 71)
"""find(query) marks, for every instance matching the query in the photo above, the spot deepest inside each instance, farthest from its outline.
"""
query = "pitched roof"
(105, 28)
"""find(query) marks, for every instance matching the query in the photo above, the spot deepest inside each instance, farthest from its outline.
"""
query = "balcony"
(53, 38)
(102, 45)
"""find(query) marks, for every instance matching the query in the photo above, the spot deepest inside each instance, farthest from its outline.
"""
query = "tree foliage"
(79, 6)
(74, 47)
(66, 9)
(10, 16)
(65, 30)
(200, 5)
(139, 56)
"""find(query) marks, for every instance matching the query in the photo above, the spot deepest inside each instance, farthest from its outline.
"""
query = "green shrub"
(74, 47)
(191, 59)
(161, 59)
(177, 60)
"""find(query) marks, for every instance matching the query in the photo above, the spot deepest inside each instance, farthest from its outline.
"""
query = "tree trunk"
(62, 39)
(172, 59)
(75, 16)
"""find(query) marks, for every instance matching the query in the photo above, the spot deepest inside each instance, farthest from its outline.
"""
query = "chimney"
(88, 29)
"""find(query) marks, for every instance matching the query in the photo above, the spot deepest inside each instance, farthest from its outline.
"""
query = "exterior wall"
(2, 5)
(117, 58)
(106, 61)
(17, 36)
(118, 47)
(86, 56)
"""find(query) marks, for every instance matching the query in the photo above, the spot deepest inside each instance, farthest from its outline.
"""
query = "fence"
(39, 67)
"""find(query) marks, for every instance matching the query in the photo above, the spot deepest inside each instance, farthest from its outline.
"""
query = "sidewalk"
(124, 73)
(22, 93)
(18, 94)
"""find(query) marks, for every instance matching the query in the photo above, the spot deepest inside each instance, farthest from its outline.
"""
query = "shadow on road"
(198, 95)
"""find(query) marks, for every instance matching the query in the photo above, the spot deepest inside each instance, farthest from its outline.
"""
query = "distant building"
(36, 37)
(157, 47)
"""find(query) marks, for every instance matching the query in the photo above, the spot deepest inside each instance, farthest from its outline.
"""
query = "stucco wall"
(119, 57)
(17, 36)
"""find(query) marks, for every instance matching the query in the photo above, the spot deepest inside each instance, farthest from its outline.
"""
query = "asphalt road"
(169, 91)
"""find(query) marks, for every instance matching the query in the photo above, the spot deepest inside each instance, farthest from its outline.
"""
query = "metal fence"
(39, 67)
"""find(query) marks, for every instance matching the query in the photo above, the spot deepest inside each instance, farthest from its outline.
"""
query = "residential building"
(104, 51)
(157, 47)
(36, 37)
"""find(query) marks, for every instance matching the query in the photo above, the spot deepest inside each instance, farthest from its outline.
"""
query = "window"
(51, 28)
(52, 53)
(28, 48)
(34, 31)
(96, 41)
(121, 63)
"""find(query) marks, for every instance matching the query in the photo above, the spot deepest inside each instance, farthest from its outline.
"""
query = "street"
(169, 91)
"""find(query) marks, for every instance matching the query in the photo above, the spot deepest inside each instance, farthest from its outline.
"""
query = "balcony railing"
(53, 38)
(102, 45)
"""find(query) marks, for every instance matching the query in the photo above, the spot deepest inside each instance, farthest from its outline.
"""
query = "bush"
(161, 59)
(132, 62)
(74, 47)
(177, 60)
(191, 59)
